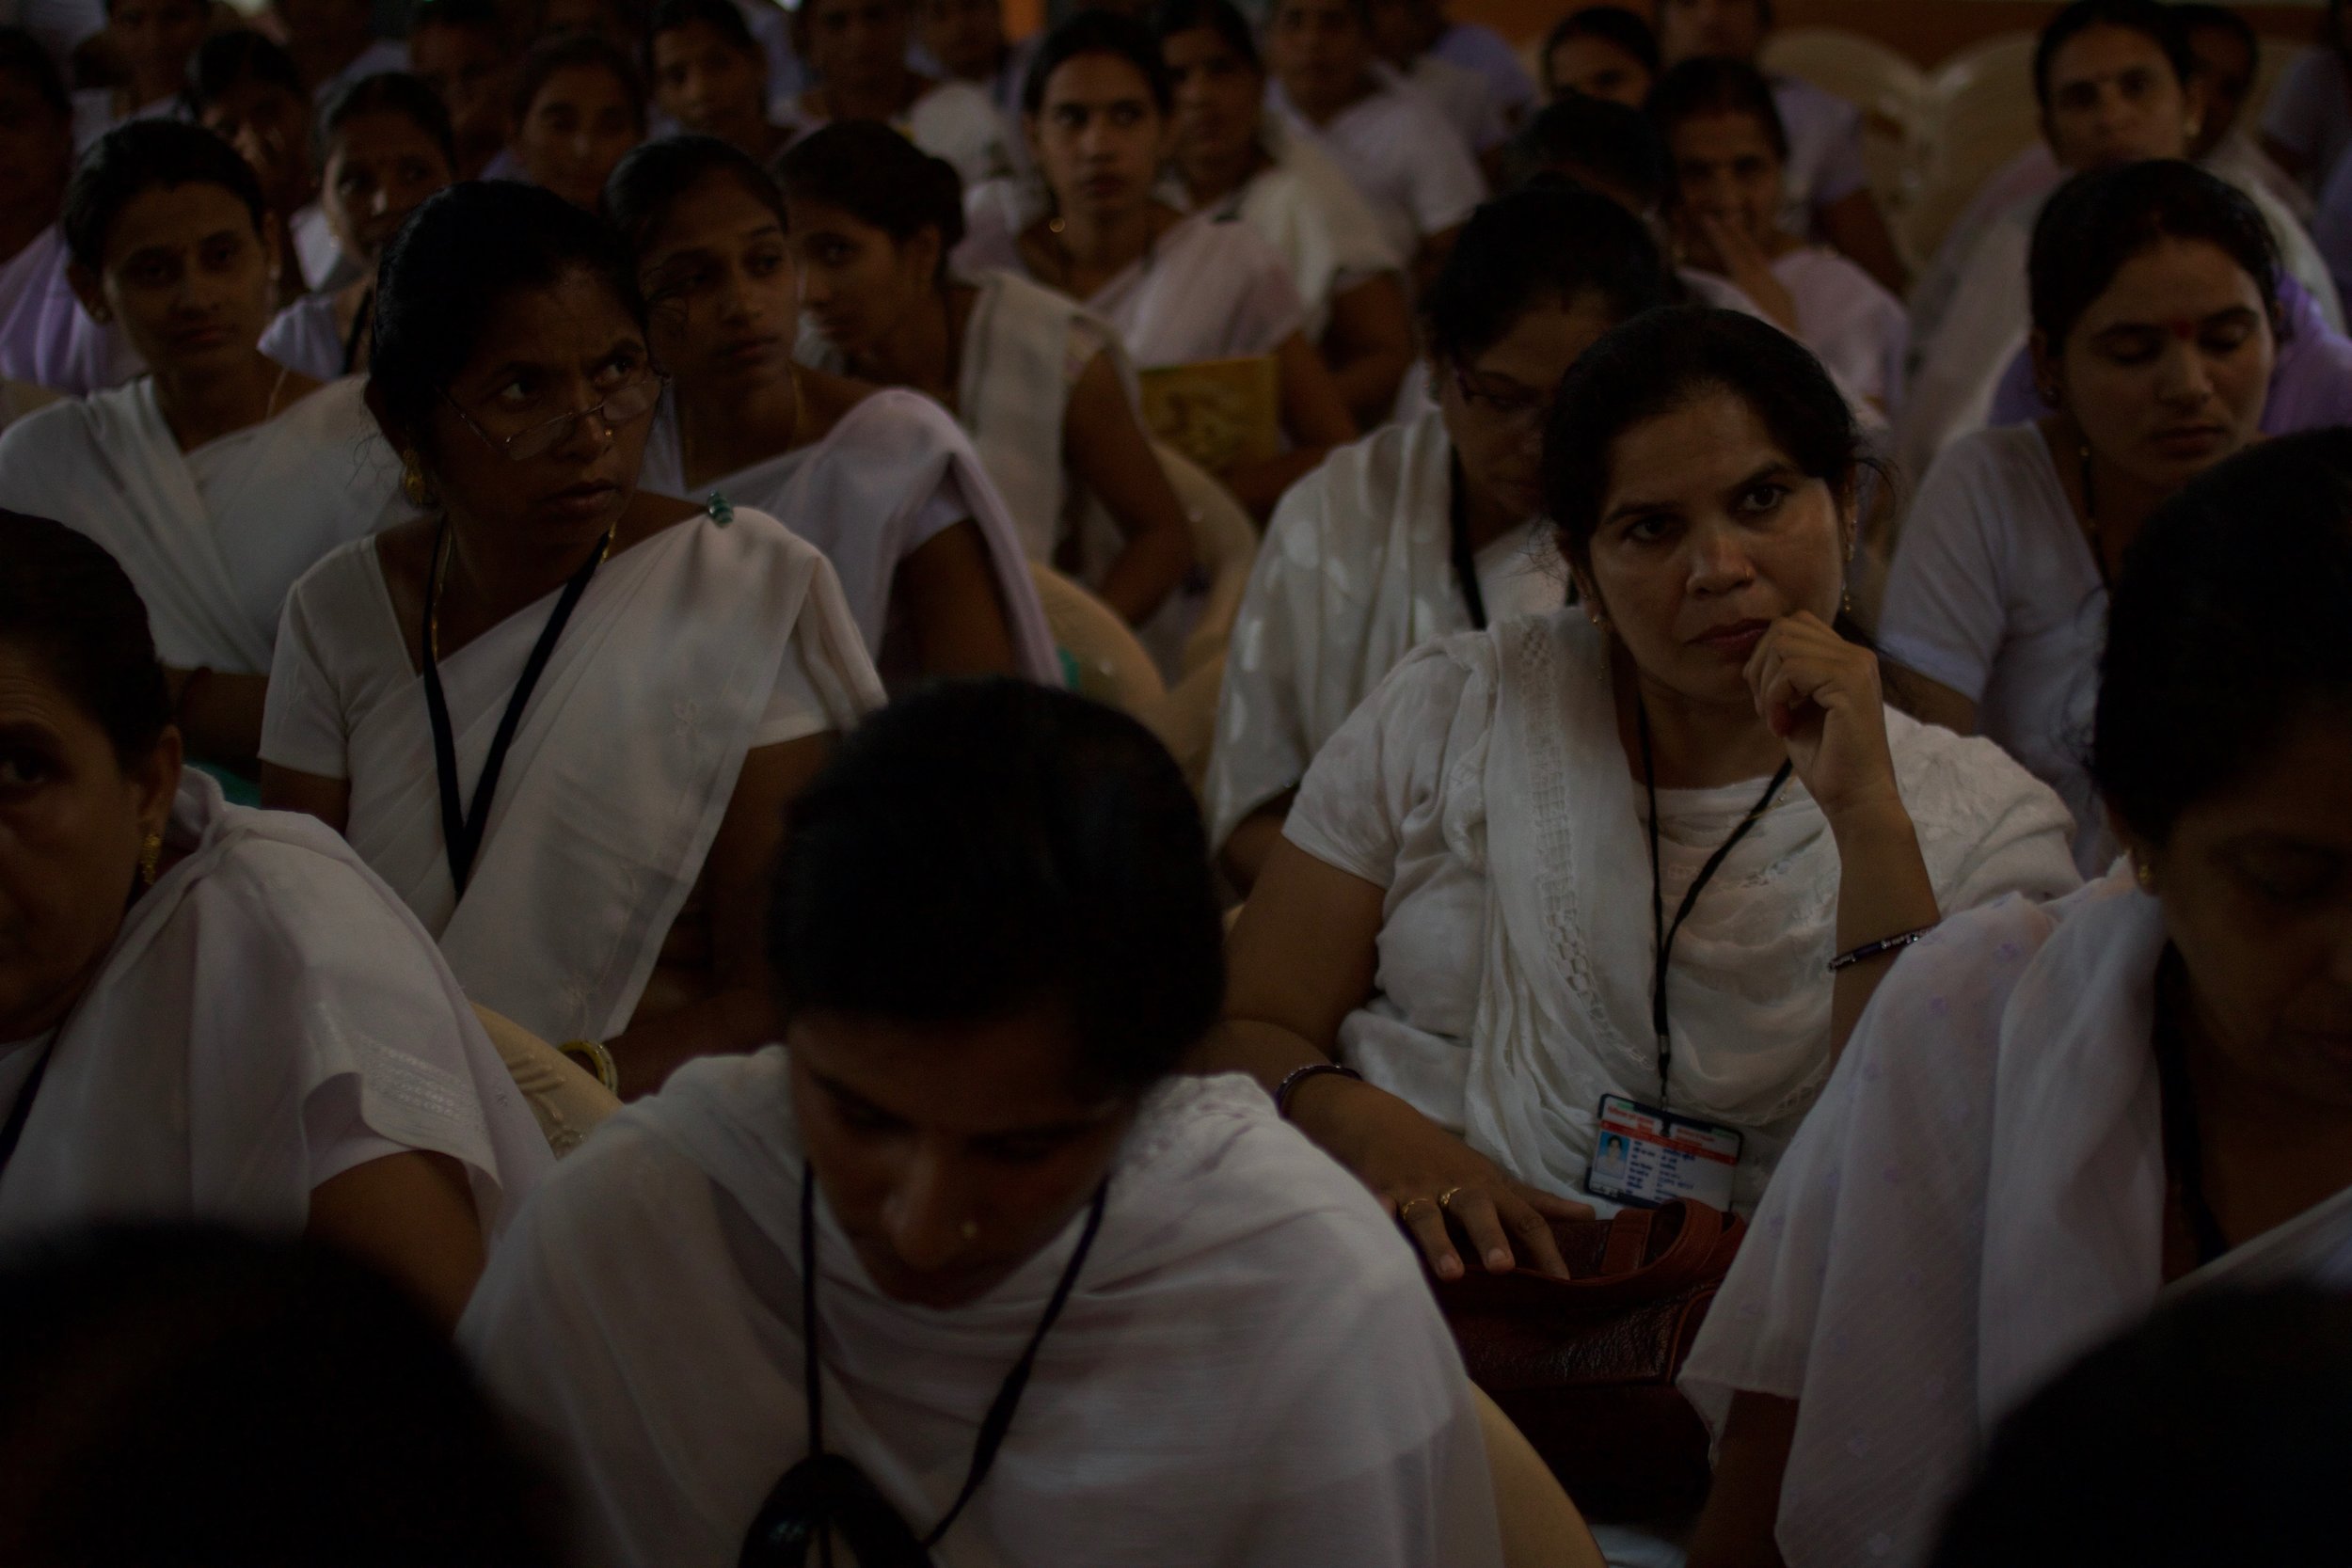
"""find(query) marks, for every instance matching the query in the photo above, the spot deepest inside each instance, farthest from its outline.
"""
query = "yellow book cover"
(1217, 412)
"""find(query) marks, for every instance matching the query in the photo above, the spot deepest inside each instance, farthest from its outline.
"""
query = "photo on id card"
(1643, 1157)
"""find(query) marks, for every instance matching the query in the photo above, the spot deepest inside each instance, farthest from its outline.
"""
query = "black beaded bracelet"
(1298, 1075)
(1870, 950)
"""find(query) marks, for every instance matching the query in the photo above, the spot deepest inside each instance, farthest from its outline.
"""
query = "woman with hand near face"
(206, 1012)
(2154, 304)
(222, 476)
(1041, 385)
(1455, 916)
(558, 714)
(1364, 560)
(995, 937)
(2057, 1118)
(1237, 162)
(881, 481)
(1729, 152)
(580, 106)
(1180, 290)
(388, 147)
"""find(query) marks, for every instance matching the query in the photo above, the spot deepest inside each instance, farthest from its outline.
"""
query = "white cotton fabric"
(1459, 93)
(1249, 1373)
(1995, 593)
(318, 252)
(306, 339)
(1484, 786)
(954, 120)
(1852, 326)
(1357, 572)
(892, 474)
(1306, 209)
(46, 338)
(1824, 164)
(1409, 163)
(380, 56)
(1024, 348)
(688, 651)
(1976, 1201)
(213, 538)
(267, 1017)
(1960, 356)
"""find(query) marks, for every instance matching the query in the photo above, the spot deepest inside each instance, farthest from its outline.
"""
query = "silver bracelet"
(1880, 948)
(1298, 1075)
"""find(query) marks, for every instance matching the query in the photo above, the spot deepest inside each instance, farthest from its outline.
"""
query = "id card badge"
(1644, 1157)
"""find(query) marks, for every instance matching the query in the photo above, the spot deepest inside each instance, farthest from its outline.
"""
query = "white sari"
(1485, 787)
(1977, 1200)
(882, 484)
(213, 538)
(1025, 347)
(1357, 572)
(268, 1017)
(686, 652)
(46, 338)
(1250, 1372)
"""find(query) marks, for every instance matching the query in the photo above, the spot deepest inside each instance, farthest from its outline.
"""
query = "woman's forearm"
(1884, 890)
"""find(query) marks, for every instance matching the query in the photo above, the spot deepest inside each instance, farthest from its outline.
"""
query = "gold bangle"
(598, 1062)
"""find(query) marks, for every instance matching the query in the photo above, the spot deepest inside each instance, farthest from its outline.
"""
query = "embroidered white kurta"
(1976, 1201)
(1250, 1371)
(267, 1017)
(1484, 786)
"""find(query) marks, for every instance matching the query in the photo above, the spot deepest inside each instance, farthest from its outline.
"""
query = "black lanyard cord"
(462, 826)
(998, 1423)
(1464, 560)
(1661, 934)
(2183, 1143)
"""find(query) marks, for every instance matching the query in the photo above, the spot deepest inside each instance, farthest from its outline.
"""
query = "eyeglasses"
(625, 405)
(1526, 411)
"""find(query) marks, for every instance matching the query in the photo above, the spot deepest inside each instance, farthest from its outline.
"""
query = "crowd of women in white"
(534, 479)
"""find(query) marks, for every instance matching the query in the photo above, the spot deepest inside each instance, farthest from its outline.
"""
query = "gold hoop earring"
(151, 857)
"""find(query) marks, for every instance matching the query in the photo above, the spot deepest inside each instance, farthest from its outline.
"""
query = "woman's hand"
(1820, 694)
(1746, 265)
(1427, 1177)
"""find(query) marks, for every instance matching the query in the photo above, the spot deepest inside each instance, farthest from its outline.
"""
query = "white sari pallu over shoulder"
(686, 652)
(212, 538)
(884, 481)
(1250, 1372)
(1977, 1199)
(268, 1017)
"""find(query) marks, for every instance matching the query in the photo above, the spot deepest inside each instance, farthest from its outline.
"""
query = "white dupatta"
(857, 495)
(214, 574)
(1357, 572)
(1564, 1003)
(262, 983)
(1978, 1200)
(620, 772)
(1250, 1371)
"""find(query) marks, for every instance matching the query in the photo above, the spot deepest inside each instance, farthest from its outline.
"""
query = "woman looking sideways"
(558, 714)
(1450, 914)
(881, 481)
(1235, 161)
(386, 145)
(1041, 385)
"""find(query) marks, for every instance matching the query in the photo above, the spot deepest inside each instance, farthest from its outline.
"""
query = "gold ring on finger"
(1406, 1207)
(1445, 1199)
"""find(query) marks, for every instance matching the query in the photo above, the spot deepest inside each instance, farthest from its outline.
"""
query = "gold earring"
(412, 482)
(2145, 875)
(150, 856)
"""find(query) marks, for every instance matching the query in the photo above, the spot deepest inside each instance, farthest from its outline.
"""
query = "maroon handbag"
(1585, 1366)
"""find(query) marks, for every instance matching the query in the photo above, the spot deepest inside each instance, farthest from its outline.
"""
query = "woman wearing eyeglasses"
(959, 1272)
(1364, 560)
(558, 715)
(222, 476)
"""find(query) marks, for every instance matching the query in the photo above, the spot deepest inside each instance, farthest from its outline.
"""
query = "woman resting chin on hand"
(1469, 906)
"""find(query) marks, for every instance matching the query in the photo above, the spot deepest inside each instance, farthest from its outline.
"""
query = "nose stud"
(971, 1231)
